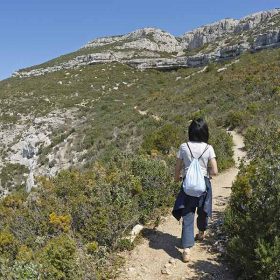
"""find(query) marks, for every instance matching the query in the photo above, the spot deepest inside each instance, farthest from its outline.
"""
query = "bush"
(158, 190)
(223, 146)
(253, 217)
(261, 141)
(60, 222)
(163, 139)
(12, 175)
(95, 208)
(92, 247)
(58, 259)
(125, 244)
(25, 271)
(8, 244)
(237, 119)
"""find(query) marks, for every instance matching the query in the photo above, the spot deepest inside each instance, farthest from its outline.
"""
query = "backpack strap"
(190, 150)
(201, 154)
(204, 151)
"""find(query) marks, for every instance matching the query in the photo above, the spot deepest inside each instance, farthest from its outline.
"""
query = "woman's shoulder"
(210, 146)
(193, 143)
(183, 145)
(207, 146)
(211, 151)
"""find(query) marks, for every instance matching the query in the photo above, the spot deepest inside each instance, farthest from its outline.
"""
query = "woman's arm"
(178, 167)
(213, 167)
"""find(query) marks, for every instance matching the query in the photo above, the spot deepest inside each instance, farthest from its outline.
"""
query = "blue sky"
(33, 31)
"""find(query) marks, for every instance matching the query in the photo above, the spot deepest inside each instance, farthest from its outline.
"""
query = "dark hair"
(198, 131)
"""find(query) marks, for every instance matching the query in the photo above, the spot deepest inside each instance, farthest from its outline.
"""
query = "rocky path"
(159, 254)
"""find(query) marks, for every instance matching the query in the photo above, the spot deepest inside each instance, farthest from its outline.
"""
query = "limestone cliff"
(155, 48)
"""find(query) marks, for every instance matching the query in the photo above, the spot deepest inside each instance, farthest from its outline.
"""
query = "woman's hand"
(213, 167)
(178, 168)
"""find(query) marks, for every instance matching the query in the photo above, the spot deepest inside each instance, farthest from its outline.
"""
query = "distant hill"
(155, 48)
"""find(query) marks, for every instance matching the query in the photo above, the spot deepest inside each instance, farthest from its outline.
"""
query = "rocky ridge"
(151, 39)
(225, 27)
(154, 48)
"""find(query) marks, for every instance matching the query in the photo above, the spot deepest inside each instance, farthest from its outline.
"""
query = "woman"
(185, 205)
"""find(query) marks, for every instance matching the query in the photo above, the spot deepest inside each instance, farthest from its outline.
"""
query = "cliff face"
(208, 33)
(154, 48)
(226, 27)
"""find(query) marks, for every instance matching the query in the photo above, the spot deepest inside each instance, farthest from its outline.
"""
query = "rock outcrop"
(151, 39)
(211, 32)
(266, 40)
(253, 20)
(154, 48)
(22, 146)
(208, 33)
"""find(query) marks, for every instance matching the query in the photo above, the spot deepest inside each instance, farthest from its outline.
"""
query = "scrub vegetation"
(252, 219)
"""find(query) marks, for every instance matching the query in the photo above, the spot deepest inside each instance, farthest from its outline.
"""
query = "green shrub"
(158, 191)
(25, 271)
(223, 146)
(253, 217)
(25, 254)
(60, 222)
(8, 244)
(210, 67)
(59, 259)
(237, 119)
(12, 175)
(163, 139)
(261, 141)
(125, 244)
(92, 247)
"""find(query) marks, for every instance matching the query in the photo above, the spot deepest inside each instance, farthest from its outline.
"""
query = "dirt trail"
(159, 255)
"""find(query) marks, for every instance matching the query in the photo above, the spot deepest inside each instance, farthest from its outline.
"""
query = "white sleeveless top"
(197, 149)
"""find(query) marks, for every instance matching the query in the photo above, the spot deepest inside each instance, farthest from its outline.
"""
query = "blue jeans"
(185, 207)
(188, 225)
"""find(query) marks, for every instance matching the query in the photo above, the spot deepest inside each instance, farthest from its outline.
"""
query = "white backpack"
(194, 183)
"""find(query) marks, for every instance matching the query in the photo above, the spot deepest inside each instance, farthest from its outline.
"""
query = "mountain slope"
(154, 48)
(73, 117)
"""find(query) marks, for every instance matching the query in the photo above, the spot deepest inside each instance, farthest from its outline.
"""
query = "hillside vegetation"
(252, 219)
(124, 127)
